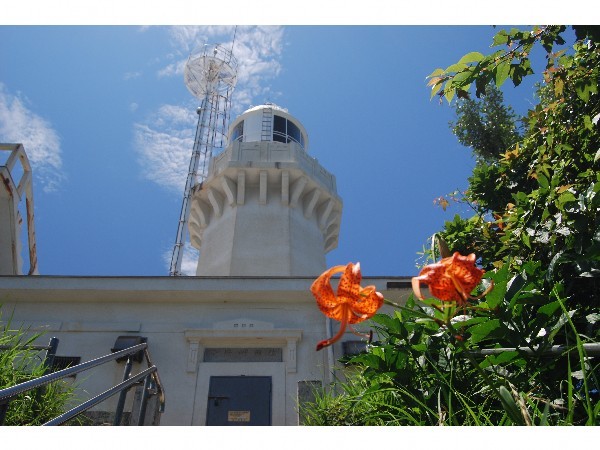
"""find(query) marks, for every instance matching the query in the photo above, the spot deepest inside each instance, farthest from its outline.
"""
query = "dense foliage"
(543, 191)
(488, 127)
(535, 194)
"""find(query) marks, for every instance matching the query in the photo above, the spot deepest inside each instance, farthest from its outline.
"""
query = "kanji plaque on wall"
(243, 355)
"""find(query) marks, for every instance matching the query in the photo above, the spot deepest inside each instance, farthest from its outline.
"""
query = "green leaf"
(435, 73)
(424, 320)
(463, 92)
(510, 406)
(525, 239)
(542, 181)
(584, 88)
(474, 320)
(501, 358)
(419, 347)
(549, 308)
(565, 197)
(559, 86)
(392, 324)
(449, 94)
(515, 33)
(554, 263)
(434, 92)
(501, 38)
(471, 57)
(516, 73)
(563, 319)
(480, 83)
(501, 73)
(458, 67)
(515, 285)
(461, 77)
(484, 330)
(545, 214)
(436, 88)
(496, 295)
(544, 419)
(520, 197)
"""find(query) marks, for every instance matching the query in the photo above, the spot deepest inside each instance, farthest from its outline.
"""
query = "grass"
(20, 363)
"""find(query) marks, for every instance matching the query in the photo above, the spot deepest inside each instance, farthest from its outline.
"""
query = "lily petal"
(416, 287)
(352, 304)
(451, 279)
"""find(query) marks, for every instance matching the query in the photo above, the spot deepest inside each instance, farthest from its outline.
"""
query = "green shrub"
(427, 369)
(18, 364)
(535, 195)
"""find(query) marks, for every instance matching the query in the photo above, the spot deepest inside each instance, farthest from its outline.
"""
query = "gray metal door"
(239, 401)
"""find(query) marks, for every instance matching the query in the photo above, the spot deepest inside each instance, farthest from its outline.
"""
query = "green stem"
(581, 353)
(493, 384)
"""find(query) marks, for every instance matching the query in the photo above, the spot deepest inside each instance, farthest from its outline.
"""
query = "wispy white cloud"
(257, 50)
(186, 38)
(175, 68)
(164, 140)
(132, 75)
(164, 145)
(18, 124)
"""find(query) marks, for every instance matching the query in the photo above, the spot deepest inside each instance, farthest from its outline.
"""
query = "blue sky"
(108, 124)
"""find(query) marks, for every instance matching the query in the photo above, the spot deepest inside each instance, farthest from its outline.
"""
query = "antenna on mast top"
(210, 74)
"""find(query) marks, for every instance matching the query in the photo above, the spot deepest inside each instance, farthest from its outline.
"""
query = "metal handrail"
(46, 379)
(159, 385)
(591, 349)
(8, 393)
(101, 397)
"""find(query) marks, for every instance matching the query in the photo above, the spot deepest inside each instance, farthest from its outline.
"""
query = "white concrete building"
(234, 345)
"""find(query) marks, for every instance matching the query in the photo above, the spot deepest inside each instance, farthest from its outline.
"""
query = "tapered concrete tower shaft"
(266, 208)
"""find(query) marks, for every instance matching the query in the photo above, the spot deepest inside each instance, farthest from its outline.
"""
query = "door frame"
(243, 333)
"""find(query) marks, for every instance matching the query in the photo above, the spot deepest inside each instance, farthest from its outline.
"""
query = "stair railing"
(151, 380)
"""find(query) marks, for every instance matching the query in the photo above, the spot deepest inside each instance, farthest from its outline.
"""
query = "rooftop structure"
(16, 190)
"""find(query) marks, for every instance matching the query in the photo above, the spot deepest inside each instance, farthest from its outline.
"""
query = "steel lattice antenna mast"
(210, 75)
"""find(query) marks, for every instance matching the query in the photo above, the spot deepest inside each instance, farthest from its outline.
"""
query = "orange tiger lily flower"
(451, 279)
(352, 304)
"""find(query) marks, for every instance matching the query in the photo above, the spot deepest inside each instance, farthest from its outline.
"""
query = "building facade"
(235, 344)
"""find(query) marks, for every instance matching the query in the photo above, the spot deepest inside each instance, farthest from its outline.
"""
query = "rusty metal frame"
(24, 187)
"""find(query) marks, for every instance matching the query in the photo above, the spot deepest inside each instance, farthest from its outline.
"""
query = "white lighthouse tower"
(266, 208)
